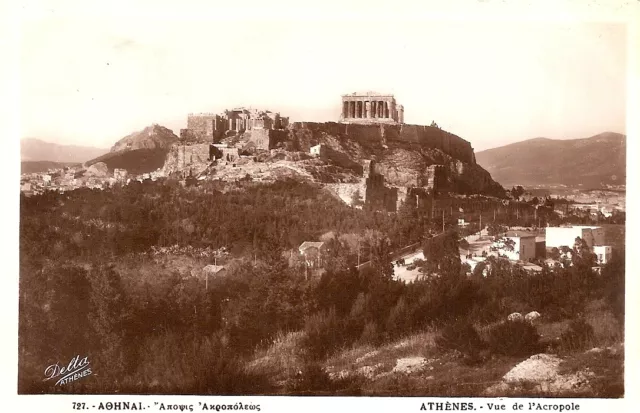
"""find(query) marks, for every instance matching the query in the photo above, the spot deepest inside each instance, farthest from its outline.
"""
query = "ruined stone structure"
(377, 195)
(223, 152)
(436, 177)
(207, 127)
(371, 107)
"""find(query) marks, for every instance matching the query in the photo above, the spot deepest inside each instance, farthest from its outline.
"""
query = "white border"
(540, 10)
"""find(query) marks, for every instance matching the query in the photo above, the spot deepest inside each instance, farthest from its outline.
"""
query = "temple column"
(352, 109)
(374, 108)
(345, 109)
(386, 110)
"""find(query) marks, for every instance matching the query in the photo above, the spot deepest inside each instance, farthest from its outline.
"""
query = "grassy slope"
(444, 373)
(135, 162)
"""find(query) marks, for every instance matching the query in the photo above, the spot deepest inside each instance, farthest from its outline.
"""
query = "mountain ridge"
(36, 149)
(594, 161)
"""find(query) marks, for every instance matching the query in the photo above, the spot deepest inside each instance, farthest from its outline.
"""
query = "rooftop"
(310, 244)
(369, 93)
(519, 234)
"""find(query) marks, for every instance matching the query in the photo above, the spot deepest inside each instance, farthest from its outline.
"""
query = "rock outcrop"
(402, 153)
(98, 169)
(404, 156)
(151, 137)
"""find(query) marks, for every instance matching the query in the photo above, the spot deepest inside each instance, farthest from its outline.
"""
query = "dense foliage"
(85, 288)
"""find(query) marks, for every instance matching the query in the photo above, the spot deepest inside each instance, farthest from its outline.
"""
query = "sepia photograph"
(266, 202)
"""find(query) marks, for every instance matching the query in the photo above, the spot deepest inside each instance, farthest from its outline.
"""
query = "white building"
(566, 236)
(524, 246)
(603, 253)
(316, 150)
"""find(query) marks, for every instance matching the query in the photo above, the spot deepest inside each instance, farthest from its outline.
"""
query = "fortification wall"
(182, 158)
(426, 136)
(266, 139)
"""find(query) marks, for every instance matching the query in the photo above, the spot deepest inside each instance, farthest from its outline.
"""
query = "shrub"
(579, 335)
(313, 379)
(514, 338)
(370, 334)
(322, 334)
(463, 337)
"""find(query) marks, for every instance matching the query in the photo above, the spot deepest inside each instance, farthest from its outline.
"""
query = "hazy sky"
(92, 80)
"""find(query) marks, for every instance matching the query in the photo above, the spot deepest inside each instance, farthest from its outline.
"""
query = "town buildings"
(517, 246)
(565, 236)
(603, 253)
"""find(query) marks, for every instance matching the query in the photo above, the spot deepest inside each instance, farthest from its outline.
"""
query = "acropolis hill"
(369, 147)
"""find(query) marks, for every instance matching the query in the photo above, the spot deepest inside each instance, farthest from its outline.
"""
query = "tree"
(496, 229)
(442, 254)
(109, 318)
(517, 192)
(582, 255)
(379, 246)
(356, 199)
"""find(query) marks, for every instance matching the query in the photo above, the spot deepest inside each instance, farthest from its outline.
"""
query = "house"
(566, 236)
(532, 267)
(517, 246)
(313, 253)
(474, 261)
(214, 270)
(603, 253)
(316, 150)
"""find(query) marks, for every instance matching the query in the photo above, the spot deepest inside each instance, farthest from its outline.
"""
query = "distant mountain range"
(590, 162)
(32, 149)
(31, 167)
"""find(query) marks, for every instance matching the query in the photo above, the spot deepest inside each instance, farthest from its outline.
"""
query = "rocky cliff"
(402, 155)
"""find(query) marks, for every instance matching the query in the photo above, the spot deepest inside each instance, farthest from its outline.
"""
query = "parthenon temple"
(371, 107)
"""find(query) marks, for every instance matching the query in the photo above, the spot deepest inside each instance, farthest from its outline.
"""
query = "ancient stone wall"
(426, 136)
(266, 139)
(378, 196)
(201, 125)
(182, 158)
(260, 138)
